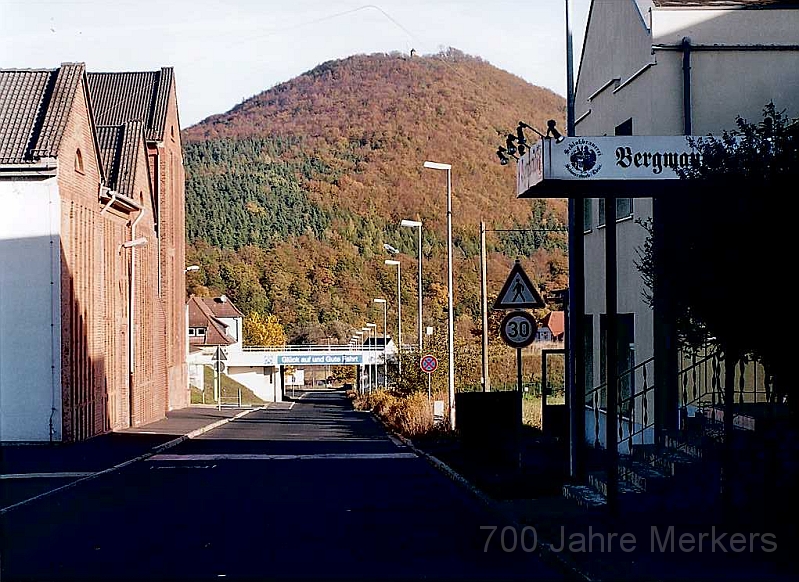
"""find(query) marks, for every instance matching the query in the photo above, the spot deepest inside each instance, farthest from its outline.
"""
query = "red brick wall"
(83, 334)
(94, 302)
(167, 162)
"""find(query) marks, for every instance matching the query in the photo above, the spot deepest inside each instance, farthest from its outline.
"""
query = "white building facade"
(666, 68)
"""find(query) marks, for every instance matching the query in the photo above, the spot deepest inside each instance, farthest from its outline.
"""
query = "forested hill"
(292, 194)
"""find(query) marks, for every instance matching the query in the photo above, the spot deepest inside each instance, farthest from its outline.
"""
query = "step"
(585, 496)
(672, 462)
(599, 481)
(643, 476)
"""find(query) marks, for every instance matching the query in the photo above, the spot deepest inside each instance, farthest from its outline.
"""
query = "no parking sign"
(428, 363)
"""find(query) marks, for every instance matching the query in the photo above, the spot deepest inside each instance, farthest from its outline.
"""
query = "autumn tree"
(262, 330)
(725, 244)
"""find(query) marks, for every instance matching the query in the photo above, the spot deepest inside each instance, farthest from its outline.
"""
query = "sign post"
(219, 367)
(428, 364)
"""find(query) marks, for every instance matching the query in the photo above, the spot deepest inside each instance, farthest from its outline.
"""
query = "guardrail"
(309, 348)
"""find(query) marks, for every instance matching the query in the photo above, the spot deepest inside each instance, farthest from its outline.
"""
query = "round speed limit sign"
(518, 329)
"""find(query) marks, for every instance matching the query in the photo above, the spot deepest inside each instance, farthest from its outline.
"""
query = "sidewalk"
(27, 470)
(531, 498)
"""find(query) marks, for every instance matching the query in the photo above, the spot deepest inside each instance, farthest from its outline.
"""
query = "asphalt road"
(310, 490)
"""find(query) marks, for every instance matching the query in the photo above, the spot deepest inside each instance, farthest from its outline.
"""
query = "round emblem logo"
(583, 156)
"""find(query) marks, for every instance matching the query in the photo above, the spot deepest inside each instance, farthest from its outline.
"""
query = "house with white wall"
(666, 68)
(215, 322)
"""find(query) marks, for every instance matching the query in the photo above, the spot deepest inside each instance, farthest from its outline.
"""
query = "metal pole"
(520, 419)
(484, 302)
(385, 343)
(575, 348)
(450, 313)
(429, 386)
(399, 321)
(419, 291)
(218, 379)
(611, 343)
(570, 125)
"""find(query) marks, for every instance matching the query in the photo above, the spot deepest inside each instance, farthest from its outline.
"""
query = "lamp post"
(385, 340)
(367, 368)
(417, 224)
(373, 333)
(399, 313)
(450, 314)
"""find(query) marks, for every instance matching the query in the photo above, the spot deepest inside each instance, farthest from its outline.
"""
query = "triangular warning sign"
(219, 355)
(518, 292)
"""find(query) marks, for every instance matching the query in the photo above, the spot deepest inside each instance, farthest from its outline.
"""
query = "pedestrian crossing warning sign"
(518, 292)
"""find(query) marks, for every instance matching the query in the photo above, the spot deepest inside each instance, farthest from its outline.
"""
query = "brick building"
(80, 256)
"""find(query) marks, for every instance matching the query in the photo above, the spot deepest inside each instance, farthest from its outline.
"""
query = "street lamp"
(372, 327)
(385, 340)
(450, 314)
(399, 313)
(417, 224)
(192, 268)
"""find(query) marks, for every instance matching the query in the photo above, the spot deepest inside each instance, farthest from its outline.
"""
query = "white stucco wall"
(619, 42)
(30, 315)
(262, 381)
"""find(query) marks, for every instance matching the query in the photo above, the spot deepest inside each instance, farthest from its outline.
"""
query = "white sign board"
(606, 158)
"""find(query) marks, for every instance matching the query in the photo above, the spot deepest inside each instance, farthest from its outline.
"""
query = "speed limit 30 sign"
(518, 329)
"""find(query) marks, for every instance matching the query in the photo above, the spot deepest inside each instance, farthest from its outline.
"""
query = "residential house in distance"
(82, 336)
(552, 328)
(215, 323)
(151, 97)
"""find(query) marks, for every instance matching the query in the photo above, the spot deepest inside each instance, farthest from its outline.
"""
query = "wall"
(260, 380)
(30, 286)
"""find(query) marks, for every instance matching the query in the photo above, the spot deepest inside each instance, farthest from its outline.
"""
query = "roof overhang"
(42, 168)
(585, 167)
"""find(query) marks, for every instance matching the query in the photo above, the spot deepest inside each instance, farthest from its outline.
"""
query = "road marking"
(64, 475)
(264, 457)
(153, 451)
(280, 405)
(396, 441)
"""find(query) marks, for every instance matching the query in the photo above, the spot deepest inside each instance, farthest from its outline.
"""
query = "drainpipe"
(686, 85)
(131, 321)
(105, 192)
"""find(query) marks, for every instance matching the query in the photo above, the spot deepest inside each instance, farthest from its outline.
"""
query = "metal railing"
(310, 348)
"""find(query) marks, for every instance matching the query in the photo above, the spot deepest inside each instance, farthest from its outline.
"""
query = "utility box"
(489, 424)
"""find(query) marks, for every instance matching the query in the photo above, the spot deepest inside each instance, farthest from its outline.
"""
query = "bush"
(409, 415)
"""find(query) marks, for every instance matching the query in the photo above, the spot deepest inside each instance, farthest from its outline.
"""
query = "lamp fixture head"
(552, 131)
(410, 223)
(391, 262)
(134, 243)
(192, 268)
(501, 155)
(509, 143)
(390, 249)
(379, 300)
(437, 166)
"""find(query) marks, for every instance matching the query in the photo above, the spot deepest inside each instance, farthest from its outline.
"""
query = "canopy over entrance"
(590, 167)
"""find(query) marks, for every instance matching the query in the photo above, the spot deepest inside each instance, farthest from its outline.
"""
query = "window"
(191, 332)
(588, 347)
(624, 209)
(625, 128)
(201, 331)
(78, 162)
(625, 354)
(587, 218)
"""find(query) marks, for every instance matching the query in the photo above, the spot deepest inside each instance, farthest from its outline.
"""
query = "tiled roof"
(200, 315)
(726, 3)
(222, 307)
(555, 322)
(34, 107)
(140, 96)
(119, 149)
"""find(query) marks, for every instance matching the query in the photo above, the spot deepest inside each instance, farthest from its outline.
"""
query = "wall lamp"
(137, 242)
(503, 154)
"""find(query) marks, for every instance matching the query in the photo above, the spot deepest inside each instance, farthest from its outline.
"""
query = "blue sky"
(224, 52)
